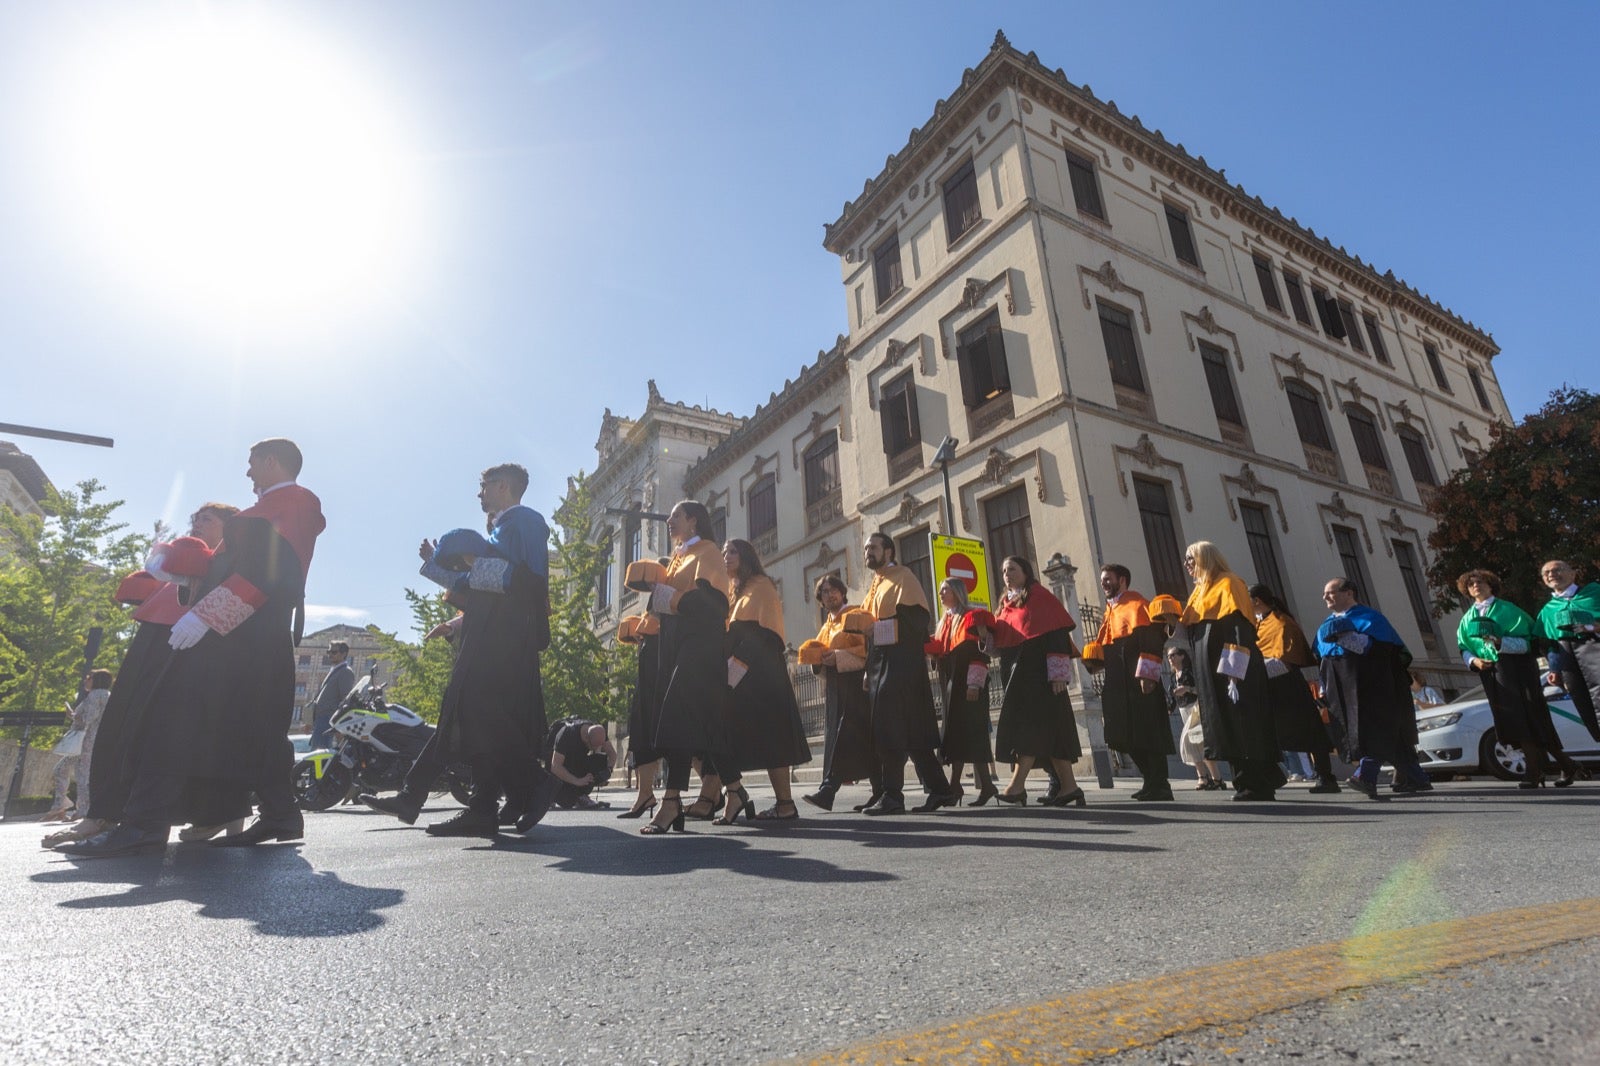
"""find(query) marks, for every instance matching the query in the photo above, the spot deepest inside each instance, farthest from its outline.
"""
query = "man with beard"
(492, 714)
(1367, 690)
(1569, 623)
(229, 690)
(1133, 701)
(898, 690)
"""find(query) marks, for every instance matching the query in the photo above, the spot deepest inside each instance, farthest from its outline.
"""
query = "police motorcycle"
(374, 744)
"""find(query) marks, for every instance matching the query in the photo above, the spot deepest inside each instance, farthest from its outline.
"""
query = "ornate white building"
(1133, 353)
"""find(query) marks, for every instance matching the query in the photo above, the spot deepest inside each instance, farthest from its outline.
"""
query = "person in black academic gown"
(841, 661)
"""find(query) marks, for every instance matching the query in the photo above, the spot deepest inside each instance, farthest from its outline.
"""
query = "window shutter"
(977, 348)
(884, 423)
(911, 412)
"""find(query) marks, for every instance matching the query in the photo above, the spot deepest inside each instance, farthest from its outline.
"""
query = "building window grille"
(1347, 319)
(961, 208)
(914, 551)
(1085, 186)
(1010, 531)
(762, 505)
(1182, 236)
(1269, 285)
(1122, 350)
(1328, 313)
(1416, 452)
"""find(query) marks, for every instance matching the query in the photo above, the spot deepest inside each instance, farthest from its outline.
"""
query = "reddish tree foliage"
(1533, 495)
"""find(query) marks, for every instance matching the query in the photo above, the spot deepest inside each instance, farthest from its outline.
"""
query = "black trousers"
(155, 800)
(928, 766)
(1152, 766)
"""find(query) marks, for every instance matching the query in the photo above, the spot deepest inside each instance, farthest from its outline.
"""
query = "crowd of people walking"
(218, 614)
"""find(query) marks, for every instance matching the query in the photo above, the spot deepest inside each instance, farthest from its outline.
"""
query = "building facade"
(1132, 354)
(366, 657)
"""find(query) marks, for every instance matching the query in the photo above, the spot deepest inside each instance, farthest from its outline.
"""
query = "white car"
(1459, 738)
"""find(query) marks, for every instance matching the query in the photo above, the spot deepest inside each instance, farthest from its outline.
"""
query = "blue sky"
(575, 199)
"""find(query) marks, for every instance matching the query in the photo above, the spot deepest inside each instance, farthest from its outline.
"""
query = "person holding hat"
(1496, 640)
(644, 707)
(1133, 702)
(839, 654)
(492, 714)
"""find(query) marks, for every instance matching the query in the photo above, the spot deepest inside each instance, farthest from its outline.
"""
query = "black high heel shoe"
(640, 810)
(711, 812)
(985, 794)
(660, 828)
(745, 808)
(1571, 772)
(1075, 798)
(1018, 798)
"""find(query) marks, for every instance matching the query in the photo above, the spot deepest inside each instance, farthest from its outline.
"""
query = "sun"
(245, 166)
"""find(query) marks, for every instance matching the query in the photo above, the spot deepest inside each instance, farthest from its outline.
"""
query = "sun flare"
(245, 166)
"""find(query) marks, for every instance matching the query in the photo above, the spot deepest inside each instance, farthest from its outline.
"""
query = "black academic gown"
(903, 718)
(1369, 697)
(1244, 732)
(848, 753)
(1295, 716)
(694, 674)
(1136, 721)
(645, 707)
(1515, 691)
(1035, 721)
(966, 722)
(764, 729)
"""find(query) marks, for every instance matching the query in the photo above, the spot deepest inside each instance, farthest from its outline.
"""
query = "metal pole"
(949, 508)
(56, 434)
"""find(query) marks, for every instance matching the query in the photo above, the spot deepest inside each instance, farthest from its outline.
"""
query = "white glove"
(1233, 690)
(187, 631)
(152, 566)
(1276, 668)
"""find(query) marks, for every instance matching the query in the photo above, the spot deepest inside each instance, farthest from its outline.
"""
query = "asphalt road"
(373, 943)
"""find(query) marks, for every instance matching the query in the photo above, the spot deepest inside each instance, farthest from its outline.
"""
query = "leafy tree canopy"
(57, 576)
(581, 675)
(421, 670)
(1533, 495)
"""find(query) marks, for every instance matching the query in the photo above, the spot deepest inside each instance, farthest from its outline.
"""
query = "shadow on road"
(272, 887)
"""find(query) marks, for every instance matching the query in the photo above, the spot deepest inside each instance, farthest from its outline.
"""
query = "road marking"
(1105, 1021)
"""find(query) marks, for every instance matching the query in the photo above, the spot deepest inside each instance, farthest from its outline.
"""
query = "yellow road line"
(1104, 1021)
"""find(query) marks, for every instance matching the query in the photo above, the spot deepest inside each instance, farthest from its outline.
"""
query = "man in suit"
(335, 687)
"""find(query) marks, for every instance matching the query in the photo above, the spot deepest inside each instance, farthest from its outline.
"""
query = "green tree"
(1533, 495)
(57, 576)
(581, 675)
(421, 670)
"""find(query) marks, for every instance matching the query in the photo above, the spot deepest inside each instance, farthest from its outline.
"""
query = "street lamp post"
(946, 452)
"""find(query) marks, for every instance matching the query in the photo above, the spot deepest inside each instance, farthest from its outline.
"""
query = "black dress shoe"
(872, 801)
(885, 805)
(120, 840)
(260, 831)
(937, 800)
(467, 824)
(1327, 786)
(819, 799)
(1250, 795)
(401, 806)
(1154, 795)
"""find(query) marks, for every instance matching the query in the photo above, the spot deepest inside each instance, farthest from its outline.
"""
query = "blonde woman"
(1230, 674)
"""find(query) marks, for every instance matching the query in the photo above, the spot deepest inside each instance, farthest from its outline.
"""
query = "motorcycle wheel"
(458, 782)
(312, 793)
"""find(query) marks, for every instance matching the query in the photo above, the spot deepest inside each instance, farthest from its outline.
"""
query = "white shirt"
(273, 488)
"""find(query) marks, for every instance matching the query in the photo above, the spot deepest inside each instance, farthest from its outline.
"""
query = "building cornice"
(1005, 67)
(829, 367)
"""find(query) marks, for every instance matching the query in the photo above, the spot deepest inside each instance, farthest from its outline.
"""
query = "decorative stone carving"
(756, 472)
(1246, 483)
(1207, 321)
(655, 393)
(997, 466)
(1361, 398)
(1395, 524)
(1338, 510)
(1144, 453)
(1108, 278)
(973, 296)
(1298, 371)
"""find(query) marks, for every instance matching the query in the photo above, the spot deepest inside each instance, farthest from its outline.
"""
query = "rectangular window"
(1005, 517)
(1416, 450)
(1182, 236)
(886, 268)
(1437, 367)
(763, 506)
(897, 410)
(1116, 327)
(1352, 330)
(915, 552)
(961, 210)
(1369, 446)
(634, 540)
(1327, 313)
(981, 359)
(1263, 549)
(822, 469)
(1161, 538)
(1297, 298)
(1405, 556)
(305, 660)
(1478, 389)
(1376, 337)
(1307, 411)
(1220, 380)
(1269, 286)
(1085, 185)
(1354, 561)
(719, 525)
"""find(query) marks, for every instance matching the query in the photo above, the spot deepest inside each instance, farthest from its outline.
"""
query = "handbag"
(70, 744)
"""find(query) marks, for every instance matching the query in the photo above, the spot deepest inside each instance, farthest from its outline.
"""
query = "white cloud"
(319, 615)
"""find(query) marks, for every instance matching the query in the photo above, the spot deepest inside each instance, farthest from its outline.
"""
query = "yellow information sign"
(962, 559)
